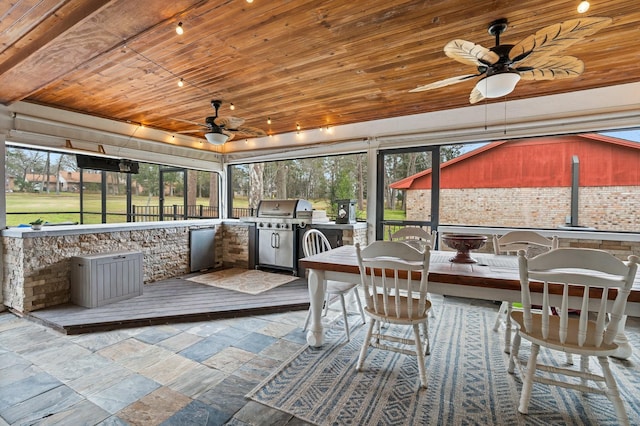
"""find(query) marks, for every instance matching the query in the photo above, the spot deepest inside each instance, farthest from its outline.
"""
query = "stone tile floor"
(177, 374)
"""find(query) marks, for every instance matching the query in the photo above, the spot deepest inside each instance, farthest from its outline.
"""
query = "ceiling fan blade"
(475, 96)
(555, 68)
(442, 83)
(230, 134)
(534, 50)
(246, 132)
(190, 122)
(470, 53)
(192, 131)
(229, 122)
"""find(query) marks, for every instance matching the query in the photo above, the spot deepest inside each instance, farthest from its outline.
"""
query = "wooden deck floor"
(172, 301)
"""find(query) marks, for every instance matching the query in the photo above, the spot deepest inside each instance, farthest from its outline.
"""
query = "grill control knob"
(268, 225)
(260, 225)
(277, 225)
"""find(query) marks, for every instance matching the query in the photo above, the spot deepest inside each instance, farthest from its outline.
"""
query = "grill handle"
(275, 240)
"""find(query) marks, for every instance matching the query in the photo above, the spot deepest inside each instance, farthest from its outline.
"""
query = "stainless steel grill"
(278, 223)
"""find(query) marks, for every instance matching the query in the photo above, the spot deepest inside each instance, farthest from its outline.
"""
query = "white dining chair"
(418, 238)
(587, 275)
(314, 242)
(386, 272)
(415, 237)
(510, 243)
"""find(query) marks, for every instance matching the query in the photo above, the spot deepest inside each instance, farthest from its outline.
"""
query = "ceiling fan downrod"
(497, 27)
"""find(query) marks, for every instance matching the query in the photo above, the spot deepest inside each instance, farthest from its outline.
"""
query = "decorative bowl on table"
(463, 244)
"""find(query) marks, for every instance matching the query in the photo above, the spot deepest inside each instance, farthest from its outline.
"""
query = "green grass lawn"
(65, 207)
(49, 206)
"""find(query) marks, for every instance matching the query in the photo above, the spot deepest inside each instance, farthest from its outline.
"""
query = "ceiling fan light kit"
(216, 138)
(498, 85)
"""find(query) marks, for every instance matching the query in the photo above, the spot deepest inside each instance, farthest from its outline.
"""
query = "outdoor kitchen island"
(37, 264)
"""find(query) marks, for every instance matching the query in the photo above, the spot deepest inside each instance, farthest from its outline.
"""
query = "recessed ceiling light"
(583, 6)
(179, 29)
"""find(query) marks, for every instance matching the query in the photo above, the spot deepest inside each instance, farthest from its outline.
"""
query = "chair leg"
(507, 328)
(527, 380)
(613, 394)
(365, 345)
(359, 303)
(345, 316)
(513, 356)
(569, 358)
(420, 355)
(584, 368)
(425, 335)
(503, 308)
(379, 325)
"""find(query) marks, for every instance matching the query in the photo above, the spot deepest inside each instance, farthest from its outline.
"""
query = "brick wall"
(606, 208)
(620, 249)
(620, 245)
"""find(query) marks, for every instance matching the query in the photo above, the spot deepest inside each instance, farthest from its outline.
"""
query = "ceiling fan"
(223, 129)
(534, 58)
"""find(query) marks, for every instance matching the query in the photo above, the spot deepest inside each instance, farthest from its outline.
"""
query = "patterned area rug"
(251, 281)
(468, 382)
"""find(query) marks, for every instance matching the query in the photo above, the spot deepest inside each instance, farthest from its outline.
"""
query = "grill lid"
(283, 208)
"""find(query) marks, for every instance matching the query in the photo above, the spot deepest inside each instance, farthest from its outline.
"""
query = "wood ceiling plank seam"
(95, 4)
(39, 51)
(14, 30)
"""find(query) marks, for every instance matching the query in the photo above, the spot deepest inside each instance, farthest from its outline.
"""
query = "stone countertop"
(61, 230)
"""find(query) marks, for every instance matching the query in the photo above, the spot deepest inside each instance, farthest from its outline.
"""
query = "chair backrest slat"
(314, 242)
(545, 309)
(580, 272)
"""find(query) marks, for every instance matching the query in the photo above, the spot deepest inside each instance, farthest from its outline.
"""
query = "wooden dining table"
(493, 277)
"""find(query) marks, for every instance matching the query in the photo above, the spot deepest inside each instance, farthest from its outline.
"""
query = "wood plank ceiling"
(312, 63)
